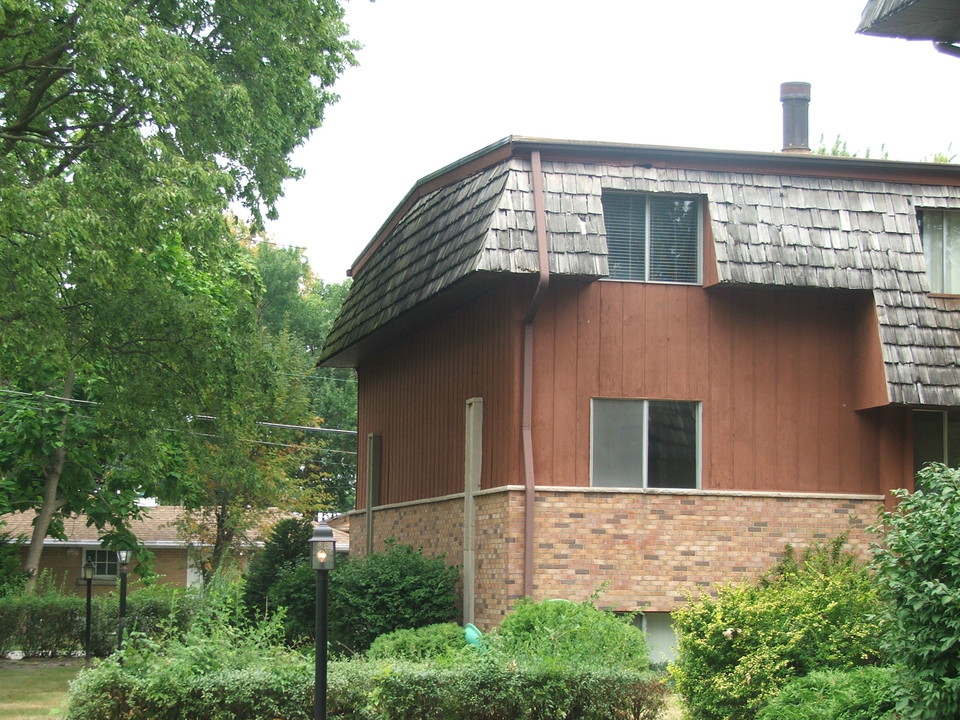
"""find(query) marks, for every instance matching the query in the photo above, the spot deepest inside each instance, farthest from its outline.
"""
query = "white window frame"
(935, 254)
(95, 554)
(698, 202)
(645, 440)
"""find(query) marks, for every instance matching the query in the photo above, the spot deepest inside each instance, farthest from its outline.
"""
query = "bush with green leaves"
(918, 568)
(864, 693)
(425, 643)
(221, 666)
(813, 612)
(385, 591)
(50, 622)
(286, 544)
(12, 578)
(563, 632)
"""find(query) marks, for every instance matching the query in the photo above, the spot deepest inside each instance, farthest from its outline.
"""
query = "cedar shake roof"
(776, 219)
(937, 20)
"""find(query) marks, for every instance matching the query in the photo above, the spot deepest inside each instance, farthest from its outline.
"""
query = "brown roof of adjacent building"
(937, 20)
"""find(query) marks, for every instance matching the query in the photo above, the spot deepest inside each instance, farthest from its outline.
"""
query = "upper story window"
(940, 232)
(653, 238)
(645, 443)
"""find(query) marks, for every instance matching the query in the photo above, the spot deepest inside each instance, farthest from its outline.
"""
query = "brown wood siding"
(414, 395)
(781, 375)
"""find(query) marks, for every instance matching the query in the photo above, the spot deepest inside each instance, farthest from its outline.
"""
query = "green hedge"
(865, 693)
(281, 688)
(52, 624)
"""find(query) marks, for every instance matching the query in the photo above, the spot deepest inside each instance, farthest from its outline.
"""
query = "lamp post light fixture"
(124, 557)
(322, 558)
(88, 570)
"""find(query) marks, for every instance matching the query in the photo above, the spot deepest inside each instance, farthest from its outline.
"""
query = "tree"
(126, 304)
(294, 302)
(918, 570)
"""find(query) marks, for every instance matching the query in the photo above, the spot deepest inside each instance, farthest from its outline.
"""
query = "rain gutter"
(543, 282)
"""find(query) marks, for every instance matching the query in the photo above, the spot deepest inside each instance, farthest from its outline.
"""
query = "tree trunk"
(51, 503)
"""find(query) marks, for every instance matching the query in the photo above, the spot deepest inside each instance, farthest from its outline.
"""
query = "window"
(940, 233)
(653, 238)
(936, 437)
(105, 562)
(645, 443)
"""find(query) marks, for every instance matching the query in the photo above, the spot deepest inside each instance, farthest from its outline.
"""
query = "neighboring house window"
(104, 561)
(652, 238)
(936, 437)
(645, 443)
(940, 232)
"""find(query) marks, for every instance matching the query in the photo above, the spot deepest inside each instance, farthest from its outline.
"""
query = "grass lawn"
(30, 690)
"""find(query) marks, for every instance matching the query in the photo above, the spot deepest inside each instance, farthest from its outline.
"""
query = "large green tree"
(126, 305)
(295, 302)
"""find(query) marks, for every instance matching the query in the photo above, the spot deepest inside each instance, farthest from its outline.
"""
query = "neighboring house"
(157, 531)
(936, 20)
(646, 369)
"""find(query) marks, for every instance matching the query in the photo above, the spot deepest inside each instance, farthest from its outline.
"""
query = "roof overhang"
(936, 20)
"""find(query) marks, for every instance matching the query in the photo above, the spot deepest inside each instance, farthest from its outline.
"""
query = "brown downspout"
(529, 485)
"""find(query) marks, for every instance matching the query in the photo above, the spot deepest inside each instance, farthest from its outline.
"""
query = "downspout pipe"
(543, 282)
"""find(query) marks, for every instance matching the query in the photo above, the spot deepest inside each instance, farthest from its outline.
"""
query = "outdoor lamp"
(124, 557)
(88, 569)
(322, 557)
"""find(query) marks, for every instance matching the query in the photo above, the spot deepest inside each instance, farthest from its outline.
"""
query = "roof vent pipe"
(795, 97)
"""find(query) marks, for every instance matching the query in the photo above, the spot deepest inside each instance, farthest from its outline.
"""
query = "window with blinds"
(652, 238)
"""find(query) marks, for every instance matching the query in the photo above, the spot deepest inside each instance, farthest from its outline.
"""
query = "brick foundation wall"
(641, 550)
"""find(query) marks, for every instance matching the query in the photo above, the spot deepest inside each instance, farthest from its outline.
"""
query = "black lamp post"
(124, 557)
(88, 570)
(322, 558)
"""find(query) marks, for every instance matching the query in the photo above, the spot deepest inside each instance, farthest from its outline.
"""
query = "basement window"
(645, 443)
(940, 234)
(936, 438)
(653, 237)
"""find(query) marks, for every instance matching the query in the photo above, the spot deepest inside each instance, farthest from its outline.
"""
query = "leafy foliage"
(918, 568)
(424, 643)
(126, 305)
(567, 633)
(863, 693)
(386, 591)
(287, 543)
(813, 612)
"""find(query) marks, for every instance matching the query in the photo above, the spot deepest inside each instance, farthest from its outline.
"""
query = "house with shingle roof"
(157, 531)
(646, 369)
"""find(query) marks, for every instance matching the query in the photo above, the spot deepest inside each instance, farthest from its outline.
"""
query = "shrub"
(737, 650)
(918, 569)
(287, 543)
(575, 633)
(219, 667)
(51, 623)
(386, 591)
(12, 578)
(428, 642)
(864, 693)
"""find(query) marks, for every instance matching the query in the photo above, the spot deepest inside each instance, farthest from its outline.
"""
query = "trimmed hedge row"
(52, 624)
(364, 690)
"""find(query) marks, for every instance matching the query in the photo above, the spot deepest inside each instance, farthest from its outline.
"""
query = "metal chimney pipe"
(795, 97)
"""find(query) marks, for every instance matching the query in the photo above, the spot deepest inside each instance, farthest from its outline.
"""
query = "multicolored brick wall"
(638, 550)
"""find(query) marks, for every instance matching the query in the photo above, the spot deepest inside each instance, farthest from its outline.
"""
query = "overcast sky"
(440, 79)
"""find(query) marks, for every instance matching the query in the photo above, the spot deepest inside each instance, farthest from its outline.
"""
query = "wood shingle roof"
(848, 227)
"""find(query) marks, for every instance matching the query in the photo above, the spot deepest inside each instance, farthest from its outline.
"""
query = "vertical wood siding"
(414, 394)
(780, 374)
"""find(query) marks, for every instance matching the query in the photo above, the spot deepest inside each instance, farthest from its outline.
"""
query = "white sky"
(440, 79)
